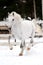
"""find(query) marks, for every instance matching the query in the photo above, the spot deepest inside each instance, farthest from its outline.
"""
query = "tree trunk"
(34, 9)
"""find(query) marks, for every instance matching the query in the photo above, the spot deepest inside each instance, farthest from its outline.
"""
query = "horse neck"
(17, 23)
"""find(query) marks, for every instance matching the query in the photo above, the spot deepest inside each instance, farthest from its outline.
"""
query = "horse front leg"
(15, 42)
(22, 46)
(10, 43)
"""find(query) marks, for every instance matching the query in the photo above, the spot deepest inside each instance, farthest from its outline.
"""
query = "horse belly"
(26, 31)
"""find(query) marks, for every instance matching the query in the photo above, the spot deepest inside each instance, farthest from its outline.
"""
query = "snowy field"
(11, 57)
(32, 57)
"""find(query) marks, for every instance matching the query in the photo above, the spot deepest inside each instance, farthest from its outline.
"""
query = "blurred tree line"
(23, 7)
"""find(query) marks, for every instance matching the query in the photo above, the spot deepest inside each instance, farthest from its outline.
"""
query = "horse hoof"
(20, 54)
(11, 48)
(28, 48)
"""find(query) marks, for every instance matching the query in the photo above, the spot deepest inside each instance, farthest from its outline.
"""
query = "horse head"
(13, 16)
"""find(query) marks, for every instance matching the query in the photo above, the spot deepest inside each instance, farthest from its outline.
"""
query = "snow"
(32, 57)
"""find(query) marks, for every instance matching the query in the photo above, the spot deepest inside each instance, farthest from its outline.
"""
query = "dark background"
(23, 7)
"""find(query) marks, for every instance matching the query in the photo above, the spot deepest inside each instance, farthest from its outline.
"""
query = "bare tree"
(34, 9)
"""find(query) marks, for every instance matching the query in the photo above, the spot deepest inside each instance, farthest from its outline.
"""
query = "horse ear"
(13, 14)
(8, 13)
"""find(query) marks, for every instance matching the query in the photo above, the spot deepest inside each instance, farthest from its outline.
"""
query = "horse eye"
(12, 19)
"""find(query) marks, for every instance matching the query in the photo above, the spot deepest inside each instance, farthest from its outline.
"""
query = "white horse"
(21, 29)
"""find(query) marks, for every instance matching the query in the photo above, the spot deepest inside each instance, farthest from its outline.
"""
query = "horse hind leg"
(31, 41)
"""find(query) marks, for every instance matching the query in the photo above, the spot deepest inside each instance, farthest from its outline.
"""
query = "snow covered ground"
(32, 57)
(11, 57)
